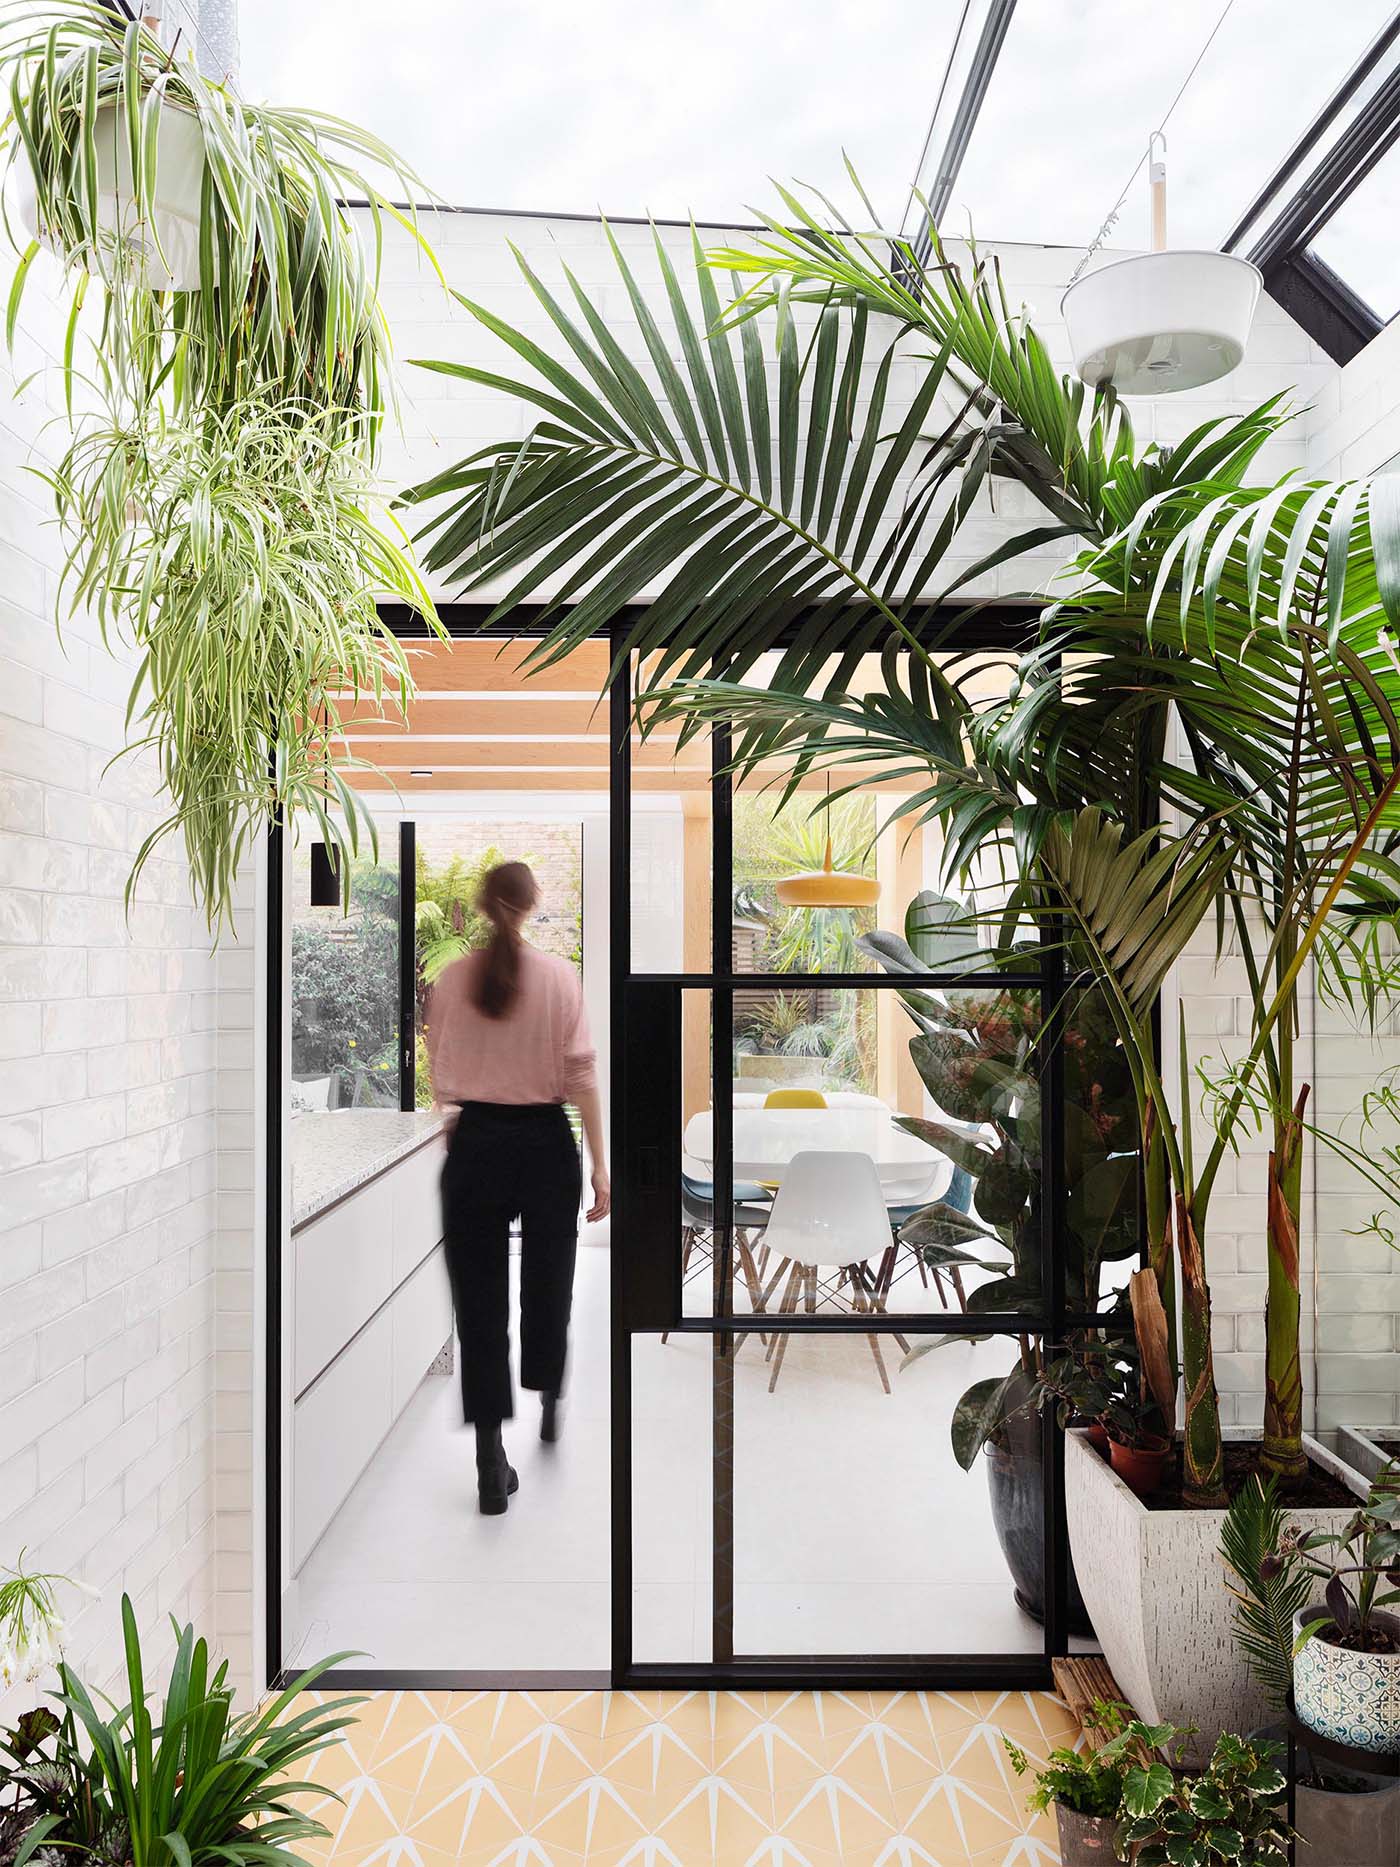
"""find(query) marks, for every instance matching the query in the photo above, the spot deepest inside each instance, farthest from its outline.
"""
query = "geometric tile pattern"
(687, 1779)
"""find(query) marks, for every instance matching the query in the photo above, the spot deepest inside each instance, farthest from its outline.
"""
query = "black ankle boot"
(549, 1418)
(496, 1478)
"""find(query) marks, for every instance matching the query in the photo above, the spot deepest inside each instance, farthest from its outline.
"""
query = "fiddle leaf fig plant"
(975, 1049)
(216, 497)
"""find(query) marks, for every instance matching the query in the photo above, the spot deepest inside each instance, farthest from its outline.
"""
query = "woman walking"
(509, 1045)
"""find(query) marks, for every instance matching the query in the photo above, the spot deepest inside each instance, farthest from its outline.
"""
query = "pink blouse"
(539, 1052)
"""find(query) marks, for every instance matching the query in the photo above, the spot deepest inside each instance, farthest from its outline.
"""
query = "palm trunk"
(1156, 1171)
(1283, 1370)
(1203, 1448)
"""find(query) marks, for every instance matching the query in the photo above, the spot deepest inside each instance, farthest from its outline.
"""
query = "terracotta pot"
(1142, 1468)
(1351, 1697)
(1097, 1435)
(1085, 1840)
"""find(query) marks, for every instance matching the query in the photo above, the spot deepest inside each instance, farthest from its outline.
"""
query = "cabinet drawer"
(422, 1318)
(336, 1429)
(344, 1271)
(417, 1207)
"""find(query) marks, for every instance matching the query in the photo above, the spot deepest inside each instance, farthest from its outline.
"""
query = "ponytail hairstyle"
(508, 893)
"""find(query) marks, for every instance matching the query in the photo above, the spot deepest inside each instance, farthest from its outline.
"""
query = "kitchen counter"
(332, 1154)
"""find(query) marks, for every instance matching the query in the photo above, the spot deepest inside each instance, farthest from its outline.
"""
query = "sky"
(680, 106)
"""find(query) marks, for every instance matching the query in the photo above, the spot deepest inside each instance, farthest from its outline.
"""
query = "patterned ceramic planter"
(1353, 1698)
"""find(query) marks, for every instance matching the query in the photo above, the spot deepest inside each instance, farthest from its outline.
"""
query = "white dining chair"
(828, 1216)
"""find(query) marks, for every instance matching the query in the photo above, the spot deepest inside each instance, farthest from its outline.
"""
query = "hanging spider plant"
(283, 294)
(243, 554)
(216, 500)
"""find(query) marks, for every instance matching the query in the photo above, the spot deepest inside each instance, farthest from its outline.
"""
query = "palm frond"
(736, 497)
(1268, 1591)
(1135, 903)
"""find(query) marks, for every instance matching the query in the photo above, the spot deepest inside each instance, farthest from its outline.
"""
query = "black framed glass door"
(824, 1466)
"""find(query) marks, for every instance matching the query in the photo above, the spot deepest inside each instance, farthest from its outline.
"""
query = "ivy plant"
(1227, 1816)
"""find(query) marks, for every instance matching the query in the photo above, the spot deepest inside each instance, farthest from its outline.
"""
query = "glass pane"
(1102, 1231)
(673, 1382)
(1356, 243)
(878, 1163)
(775, 842)
(672, 853)
(452, 855)
(804, 1497)
(344, 989)
(855, 1528)
(1225, 139)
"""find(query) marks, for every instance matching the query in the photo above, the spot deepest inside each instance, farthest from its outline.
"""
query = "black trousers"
(505, 1162)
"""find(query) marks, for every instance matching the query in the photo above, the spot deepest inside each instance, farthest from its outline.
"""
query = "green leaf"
(1146, 1789)
(978, 1416)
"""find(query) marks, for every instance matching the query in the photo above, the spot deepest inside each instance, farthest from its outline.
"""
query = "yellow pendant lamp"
(828, 887)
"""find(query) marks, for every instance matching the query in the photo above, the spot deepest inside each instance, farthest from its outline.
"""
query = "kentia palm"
(847, 551)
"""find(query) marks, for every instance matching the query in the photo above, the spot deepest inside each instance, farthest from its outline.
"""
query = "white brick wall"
(114, 1234)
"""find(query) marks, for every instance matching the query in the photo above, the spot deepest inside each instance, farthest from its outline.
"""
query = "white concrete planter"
(1357, 1446)
(1154, 1586)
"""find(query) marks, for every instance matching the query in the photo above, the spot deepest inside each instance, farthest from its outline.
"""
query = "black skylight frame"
(1277, 229)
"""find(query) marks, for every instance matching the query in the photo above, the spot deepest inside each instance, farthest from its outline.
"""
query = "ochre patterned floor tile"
(686, 1779)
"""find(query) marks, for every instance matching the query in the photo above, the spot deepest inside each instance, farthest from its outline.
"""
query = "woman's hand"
(602, 1196)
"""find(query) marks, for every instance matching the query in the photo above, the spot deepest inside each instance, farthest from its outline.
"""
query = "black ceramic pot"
(1015, 1482)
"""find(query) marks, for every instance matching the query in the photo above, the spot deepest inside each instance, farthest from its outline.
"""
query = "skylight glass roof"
(1077, 90)
(1359, 242)
(671, 108)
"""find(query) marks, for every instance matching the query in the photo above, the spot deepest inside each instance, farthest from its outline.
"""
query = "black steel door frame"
(646, 1285)
(639, 1184)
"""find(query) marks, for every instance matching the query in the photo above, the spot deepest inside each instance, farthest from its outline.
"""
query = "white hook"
(1157, 177)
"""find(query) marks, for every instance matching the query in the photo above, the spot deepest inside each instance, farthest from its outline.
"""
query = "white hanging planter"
(1161, 322)
(168, 252)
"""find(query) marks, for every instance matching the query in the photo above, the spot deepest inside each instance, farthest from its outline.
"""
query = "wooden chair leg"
(751, 1280)
(778, 1359)
(874, 1342)
(875, 1290)
(956, 1274)
(687, 1247)
(785, 1308)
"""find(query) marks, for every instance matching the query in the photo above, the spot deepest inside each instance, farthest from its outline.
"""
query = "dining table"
(766, 1139)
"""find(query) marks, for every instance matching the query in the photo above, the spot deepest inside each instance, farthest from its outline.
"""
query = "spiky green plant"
(1269, 1585)
(287, 294)
(187, 1782)
(242, 555)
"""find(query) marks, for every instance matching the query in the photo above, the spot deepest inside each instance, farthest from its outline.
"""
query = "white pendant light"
(1161, 321)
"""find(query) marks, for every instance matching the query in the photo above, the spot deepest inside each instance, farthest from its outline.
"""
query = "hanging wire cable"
(1111, 218)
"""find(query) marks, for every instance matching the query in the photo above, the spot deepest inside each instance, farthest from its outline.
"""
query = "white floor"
(855, 1531)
